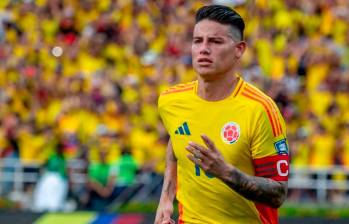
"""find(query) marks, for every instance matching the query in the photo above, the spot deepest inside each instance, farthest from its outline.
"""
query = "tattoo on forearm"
(258, 189)
(169, 187)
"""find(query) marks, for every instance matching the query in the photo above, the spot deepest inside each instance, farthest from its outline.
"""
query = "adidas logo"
(183, 129)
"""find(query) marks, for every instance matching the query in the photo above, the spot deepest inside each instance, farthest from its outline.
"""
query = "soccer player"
(227, 158)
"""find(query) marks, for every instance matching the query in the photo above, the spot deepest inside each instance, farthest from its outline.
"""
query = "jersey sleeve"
(162, 102)
(269, 146)
(169, 99)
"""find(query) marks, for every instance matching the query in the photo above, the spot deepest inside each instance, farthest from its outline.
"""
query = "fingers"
(194, 146)
(196, 156)
(164, 218)
(197, 153)
(190, 149)
(169, 221)
(200, 154)
(208, 142)
(195, 160)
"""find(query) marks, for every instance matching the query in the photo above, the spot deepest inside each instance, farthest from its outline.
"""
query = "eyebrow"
(217, 38)
(214, 37)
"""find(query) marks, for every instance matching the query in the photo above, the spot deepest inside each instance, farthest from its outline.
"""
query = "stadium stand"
(83, 76)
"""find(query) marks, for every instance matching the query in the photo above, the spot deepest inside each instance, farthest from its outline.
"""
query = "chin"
(205, 73)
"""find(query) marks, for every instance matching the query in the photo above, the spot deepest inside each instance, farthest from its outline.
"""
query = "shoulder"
(264, 107)
(254, 96)
(176, 92)
(179, 88)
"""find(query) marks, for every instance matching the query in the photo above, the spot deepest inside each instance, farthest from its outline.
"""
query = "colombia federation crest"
(230, 132)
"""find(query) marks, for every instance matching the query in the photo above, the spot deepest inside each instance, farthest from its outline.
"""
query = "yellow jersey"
(249, 131)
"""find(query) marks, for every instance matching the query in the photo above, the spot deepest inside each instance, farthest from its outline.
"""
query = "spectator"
(100, 183)
(52, 189)
(125, 169)
(77, 67)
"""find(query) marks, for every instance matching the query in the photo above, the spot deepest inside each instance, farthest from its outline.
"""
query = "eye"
(217, 41)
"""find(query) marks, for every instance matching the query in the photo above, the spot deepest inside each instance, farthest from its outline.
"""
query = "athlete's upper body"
(227, 158)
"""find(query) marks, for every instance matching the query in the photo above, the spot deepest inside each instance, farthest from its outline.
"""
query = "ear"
(240, 49)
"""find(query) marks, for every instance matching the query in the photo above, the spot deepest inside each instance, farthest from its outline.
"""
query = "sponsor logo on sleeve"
(281, 147)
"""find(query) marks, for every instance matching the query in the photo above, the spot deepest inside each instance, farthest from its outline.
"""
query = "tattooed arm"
(165, 208)
(259, 189)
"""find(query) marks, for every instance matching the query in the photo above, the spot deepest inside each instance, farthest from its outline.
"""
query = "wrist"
(166, 198)
(226, 175)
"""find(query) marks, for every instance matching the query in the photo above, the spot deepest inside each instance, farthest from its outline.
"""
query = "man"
(227, 158)
(100, 182)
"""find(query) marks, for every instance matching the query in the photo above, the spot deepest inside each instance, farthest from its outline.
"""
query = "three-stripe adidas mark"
(183, 129)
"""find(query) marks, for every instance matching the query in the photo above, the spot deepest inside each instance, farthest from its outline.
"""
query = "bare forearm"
(258, 189)
(170, 179)
(169, 186)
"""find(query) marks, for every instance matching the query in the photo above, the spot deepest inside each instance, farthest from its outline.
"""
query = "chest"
(227, 125)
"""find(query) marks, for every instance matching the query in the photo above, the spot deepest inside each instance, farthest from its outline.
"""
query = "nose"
(205, 49)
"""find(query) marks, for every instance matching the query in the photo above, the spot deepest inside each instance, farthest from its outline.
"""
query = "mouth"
(204, 61)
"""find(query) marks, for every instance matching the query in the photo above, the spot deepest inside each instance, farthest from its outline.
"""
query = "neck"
(215, 90)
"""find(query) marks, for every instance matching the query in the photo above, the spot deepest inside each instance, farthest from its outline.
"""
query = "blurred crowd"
(81, 77)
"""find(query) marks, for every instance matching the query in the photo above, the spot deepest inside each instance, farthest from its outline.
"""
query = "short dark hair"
(222, 14)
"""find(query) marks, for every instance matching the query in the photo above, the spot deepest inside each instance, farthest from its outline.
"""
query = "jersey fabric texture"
(249, 131)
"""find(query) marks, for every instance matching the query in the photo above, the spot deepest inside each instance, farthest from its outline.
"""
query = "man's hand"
(164, 212)
(259, 189)
(208, 158)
